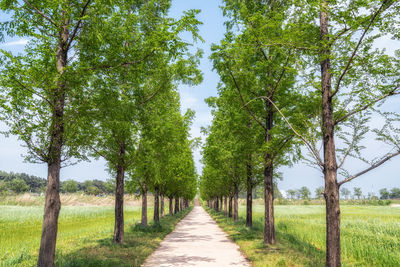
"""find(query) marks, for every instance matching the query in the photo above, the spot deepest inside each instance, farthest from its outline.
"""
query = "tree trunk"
(331, 194)
(52, 202)
(249, 199)
(269, 220)
(216, 204)
(50, 218)
(176, 205)
(144, 206)
(119, 198)
(236, 203)
(162, 204)
(225, 205)
(230, 206)
(221, 203)
(156, 216)
(171, 206)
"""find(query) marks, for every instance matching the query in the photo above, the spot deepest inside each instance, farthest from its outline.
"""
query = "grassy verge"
(370, 236)
(84, 236)
(250, 241)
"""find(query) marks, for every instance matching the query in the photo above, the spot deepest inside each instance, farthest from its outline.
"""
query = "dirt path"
(196, 241)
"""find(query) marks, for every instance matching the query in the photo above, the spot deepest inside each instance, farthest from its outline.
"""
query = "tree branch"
(40, 13)
(32, 91)
(357, 47)
(123, 64)
(351, 113)
(243, 102)
(312, 150)
(373, 166)
(78, 24)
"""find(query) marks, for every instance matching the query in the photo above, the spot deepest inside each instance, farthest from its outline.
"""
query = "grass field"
(84, 236)
(370, 236)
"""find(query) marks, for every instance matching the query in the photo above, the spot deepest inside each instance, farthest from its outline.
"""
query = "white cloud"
(17, 42)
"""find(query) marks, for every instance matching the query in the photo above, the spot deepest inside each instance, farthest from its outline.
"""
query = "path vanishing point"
(196, 241)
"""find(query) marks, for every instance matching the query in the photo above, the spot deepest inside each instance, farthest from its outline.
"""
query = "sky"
(212, 31)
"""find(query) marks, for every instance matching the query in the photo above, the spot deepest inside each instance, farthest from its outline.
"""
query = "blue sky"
(212, 31)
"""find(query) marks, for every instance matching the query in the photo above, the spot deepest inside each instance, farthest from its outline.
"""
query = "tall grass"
(370, 235)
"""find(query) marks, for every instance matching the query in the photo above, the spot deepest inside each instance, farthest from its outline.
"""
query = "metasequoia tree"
(257, 74)
(352, 79)
(139, 57)
(44, 90)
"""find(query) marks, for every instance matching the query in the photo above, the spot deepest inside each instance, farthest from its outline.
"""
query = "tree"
(395, 192)
(384, 193)
(140, 56)
(291, 193)
(357, 192)
(18, 186)
(43, 90)
(304, 193)
(70, 186)
(3, 186)
(258, 75)
(319, 192)
(345, 192)
(346, 62)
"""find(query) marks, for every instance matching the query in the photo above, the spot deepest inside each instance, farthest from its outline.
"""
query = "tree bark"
(249, 199)
(162, 203)
(181, 203)
(230, 206)
(176, 205)
(144, 206)
(225, 205)
(331, 194)
(119, 198)
(236, 203)
(171, 206)
(269, 220)
(52, 202)
(156, 216)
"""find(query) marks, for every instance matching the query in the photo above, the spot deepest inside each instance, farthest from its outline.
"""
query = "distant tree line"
(345, 193)
(22, 182)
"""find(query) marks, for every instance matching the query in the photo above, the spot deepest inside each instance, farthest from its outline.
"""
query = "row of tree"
(22, 182)
(297, 77)
(99, 79)
(345, 193)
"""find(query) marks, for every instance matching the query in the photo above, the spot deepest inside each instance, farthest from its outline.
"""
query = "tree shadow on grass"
(252, 242)
(139, 243)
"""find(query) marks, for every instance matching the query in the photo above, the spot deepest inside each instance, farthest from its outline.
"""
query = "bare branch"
(351, 113)
(373, 166)
(313, 151)
(40, 13)
(358, 46)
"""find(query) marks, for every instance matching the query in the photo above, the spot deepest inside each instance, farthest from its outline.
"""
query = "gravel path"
(196, 241)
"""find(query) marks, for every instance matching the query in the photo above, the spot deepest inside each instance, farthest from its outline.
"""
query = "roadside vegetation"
(85, 235)
(370, 235)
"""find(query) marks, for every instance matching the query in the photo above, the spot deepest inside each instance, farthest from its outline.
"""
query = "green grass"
(84, 236)
(370, 236)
